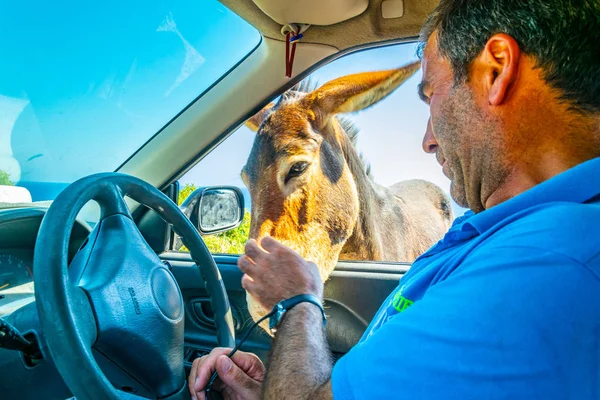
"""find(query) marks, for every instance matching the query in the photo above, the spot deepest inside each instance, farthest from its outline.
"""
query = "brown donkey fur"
(310, 188)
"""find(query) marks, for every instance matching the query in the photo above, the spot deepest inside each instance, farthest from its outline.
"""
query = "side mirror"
(215, 209)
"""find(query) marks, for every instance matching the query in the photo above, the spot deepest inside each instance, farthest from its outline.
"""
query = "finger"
(206, 365)
(270, 244)
(192, 378)
(246, 265)
(236, 379)
(253, 251)
(248, 283)
(250, 364)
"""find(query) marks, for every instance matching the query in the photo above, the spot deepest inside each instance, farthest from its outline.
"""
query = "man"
(507, 305)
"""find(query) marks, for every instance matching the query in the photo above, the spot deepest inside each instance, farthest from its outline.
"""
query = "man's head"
(514, 93)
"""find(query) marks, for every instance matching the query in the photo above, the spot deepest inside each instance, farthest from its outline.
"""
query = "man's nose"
(429, 143)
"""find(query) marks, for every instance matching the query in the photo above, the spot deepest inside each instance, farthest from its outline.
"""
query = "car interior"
(98, 265)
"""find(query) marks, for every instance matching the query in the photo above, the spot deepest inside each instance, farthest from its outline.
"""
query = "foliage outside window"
(5, 179)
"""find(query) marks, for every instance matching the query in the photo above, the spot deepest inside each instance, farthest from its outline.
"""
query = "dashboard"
(16, 280)
(18, 233)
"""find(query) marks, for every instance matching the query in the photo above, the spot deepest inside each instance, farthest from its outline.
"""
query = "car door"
(389, 139)
(352, 296)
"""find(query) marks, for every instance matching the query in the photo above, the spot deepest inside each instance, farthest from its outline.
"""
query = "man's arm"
(300, 361)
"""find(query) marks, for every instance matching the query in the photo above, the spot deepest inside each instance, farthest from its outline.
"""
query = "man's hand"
(240, 378)
(274, 272)
(299, 362)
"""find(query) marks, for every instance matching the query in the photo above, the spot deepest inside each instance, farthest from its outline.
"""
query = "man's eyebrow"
(420, 89)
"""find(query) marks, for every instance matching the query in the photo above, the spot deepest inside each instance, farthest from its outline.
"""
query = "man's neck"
(535, 170)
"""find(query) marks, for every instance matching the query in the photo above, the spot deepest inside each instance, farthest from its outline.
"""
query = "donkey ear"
(356, 92)
(254, 122)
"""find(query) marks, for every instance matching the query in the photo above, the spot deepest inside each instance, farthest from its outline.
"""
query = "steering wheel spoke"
(82, 310)
(111, 199)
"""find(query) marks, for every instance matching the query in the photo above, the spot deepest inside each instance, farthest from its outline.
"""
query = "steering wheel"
(117, 304)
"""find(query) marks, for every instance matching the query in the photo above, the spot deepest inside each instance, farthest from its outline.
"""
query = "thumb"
(233, 377)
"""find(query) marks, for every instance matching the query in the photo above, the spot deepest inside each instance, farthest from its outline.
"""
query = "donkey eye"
(296, 170)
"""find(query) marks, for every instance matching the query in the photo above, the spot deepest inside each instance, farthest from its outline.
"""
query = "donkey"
(311, 190)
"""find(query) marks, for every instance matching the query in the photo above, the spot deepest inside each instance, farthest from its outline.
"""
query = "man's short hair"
(563, 36)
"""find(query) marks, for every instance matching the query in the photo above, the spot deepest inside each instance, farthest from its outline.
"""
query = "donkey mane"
(309, 85)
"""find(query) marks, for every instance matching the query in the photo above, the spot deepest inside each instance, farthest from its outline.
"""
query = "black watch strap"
(280, 308)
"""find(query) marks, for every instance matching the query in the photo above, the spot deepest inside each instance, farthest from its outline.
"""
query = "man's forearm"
(300, 362)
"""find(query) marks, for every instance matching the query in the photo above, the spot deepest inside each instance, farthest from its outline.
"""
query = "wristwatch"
(283, 306)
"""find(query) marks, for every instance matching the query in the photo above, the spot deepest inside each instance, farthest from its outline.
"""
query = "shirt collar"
(575, 185)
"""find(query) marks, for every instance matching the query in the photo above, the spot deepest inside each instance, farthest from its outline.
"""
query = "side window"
(223, 166)
(338, 171)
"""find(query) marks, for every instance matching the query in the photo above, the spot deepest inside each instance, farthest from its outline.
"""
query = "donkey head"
(301, 172)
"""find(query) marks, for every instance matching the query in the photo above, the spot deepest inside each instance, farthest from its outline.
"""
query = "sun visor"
(311, 12)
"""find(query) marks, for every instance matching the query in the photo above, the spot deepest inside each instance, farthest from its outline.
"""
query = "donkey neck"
(379, 214)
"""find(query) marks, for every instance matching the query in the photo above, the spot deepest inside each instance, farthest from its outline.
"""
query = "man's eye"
(296, 170)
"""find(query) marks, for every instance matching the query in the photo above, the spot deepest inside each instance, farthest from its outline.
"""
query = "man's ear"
(500, 58)
(358, 91)
(256, 120)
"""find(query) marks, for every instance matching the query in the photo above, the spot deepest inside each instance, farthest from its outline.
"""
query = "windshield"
(83, 87)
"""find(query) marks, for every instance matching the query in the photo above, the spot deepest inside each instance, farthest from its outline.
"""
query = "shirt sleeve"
(510, 323)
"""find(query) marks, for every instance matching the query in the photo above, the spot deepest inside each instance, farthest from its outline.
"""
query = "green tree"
(5, 179)
(232, 241)
(185, 192)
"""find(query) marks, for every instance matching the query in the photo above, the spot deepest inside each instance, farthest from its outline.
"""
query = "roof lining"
(368, 28)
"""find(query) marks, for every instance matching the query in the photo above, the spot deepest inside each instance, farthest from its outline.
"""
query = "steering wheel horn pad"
(133, 331)
(163, 283)
(117, 297)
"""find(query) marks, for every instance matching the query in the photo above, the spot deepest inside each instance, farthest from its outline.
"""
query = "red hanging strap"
(289, 55)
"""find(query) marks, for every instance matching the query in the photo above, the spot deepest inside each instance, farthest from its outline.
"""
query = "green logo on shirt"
(400, 302)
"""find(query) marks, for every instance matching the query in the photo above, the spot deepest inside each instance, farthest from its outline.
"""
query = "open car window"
(83, 87)
(388, 138)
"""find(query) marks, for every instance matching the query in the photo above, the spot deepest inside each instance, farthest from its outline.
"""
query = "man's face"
(464, 137)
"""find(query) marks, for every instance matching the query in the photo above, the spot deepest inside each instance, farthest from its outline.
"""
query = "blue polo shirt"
(505, 306)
